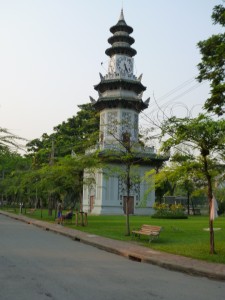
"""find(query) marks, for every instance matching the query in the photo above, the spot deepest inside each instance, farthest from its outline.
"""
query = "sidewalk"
(133, 251)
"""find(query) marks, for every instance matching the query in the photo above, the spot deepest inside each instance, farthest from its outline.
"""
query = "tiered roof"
(121, 42)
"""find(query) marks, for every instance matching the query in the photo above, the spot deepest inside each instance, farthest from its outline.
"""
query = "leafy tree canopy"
(202, 133)
(212, 65)
(75, 135)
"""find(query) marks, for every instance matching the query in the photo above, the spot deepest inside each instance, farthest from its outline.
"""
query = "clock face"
(124, 65)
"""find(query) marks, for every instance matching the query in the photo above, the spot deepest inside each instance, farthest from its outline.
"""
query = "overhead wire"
(180, 86)
(146, 117)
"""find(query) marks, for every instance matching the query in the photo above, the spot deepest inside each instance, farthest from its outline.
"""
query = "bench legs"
(151, 237)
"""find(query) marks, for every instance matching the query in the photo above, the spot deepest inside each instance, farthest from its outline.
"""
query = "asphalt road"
(36, 264)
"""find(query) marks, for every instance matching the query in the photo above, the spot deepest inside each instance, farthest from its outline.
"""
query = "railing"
(118, 76)
(119, 147)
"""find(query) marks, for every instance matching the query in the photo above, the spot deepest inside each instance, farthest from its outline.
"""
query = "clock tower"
(119, 104)
(120, 91)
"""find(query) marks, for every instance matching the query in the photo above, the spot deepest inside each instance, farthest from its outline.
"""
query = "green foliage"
(12, 168)
(165, 211)
(79, 132)
(183, 177)
(202, 134)
(211, 67)
(74, 136)
(49, 172)
(220, 197)
(218, 15)
(62, 180)
(9, 140)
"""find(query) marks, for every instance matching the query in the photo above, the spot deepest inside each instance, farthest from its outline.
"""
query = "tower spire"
(121, 18)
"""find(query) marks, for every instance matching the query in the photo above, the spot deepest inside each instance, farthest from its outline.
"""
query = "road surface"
(40, 265)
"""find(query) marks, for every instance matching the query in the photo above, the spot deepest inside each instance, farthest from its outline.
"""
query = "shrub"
(166, 211)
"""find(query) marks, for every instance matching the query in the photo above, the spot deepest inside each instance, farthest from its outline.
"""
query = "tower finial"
(121, 16)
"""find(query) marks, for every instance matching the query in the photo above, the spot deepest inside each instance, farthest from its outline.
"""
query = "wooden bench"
(151, 231)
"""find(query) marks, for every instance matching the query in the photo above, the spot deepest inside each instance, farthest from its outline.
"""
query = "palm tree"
(9, 140)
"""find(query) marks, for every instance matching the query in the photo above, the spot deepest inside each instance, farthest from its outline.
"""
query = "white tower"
(119, 103)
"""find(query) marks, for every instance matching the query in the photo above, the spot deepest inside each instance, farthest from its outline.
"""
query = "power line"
(168, 94)
(187, 82)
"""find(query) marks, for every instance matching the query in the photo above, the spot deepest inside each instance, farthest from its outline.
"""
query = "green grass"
(186, 237)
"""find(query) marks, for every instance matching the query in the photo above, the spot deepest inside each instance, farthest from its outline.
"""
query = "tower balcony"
(119, 76)
(137, 149)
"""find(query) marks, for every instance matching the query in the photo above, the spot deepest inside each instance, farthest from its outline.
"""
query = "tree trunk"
(127, 217)
(210, 196)
(127, 202)
(50, 205)
(41, 204)
(193, 207)
(211, 230)
(81, 200)
(212, 242)
(188, 203)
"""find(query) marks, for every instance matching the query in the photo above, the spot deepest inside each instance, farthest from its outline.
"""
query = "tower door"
(130, 204)
(92, 200)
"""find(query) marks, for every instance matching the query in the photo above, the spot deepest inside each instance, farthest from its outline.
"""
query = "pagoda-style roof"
(117, 38)
(120, 50)
(138, 158)
(112, 102)
(113, 84)
(121, 25)
(121, 41)
(120, 90)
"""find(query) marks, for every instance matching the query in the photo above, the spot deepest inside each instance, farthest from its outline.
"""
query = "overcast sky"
(51, 53)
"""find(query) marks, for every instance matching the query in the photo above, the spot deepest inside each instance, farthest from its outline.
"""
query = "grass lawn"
(185, 237)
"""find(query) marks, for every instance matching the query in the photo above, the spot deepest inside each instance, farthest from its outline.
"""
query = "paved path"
(133, 251)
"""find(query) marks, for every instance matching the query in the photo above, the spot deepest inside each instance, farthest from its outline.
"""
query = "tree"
(79, 132)
(212, 65)
(130, 154)
(9, 140)
(184, 170)
(166, 181)
(204, 135)
(12, 168)
(49, 170)
(50, 153)
(183, 176)
(127, 158)
(75, 135)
